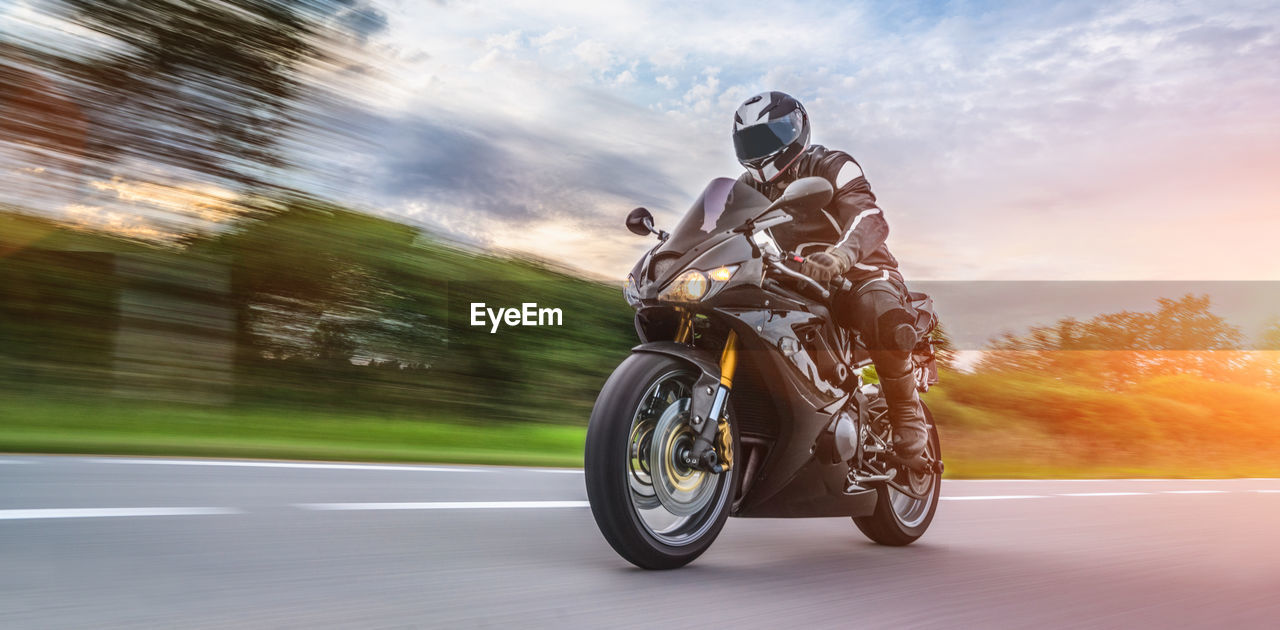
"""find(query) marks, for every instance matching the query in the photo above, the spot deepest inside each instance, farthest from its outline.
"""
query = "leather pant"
(880, 311)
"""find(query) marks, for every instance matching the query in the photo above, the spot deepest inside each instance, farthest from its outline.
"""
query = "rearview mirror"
(806, 193)
(640, 222)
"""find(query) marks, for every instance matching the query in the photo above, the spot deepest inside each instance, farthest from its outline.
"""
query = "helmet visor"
(760, 141)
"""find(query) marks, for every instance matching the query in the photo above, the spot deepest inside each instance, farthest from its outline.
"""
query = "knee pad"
(895, 332)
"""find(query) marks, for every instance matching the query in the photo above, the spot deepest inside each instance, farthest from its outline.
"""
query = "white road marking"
(997, 497)
(50, 513)
(1067, 480)
(14, 461)
(443, 505)
(1134, 479)
(1101, 494)
(244, 464)
(10, 515)
(994, 497)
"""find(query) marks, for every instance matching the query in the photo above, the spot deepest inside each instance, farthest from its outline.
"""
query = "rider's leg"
(898, 382)
(882, 314)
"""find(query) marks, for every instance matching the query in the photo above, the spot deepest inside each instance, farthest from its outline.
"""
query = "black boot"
(910, 436)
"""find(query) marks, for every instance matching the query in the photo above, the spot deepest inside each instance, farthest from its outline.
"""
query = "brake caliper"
(724, 444)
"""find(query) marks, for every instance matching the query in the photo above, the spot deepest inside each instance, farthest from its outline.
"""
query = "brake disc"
(641, 482)
(681, 489)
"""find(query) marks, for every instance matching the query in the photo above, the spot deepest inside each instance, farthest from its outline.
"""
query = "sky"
(1120, 140)
(1023, 141)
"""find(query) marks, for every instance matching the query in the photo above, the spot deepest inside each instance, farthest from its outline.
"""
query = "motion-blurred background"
(254, 227)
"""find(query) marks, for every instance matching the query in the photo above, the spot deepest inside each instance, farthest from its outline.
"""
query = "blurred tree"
(331, 342)
(1264, 360)
(1191, 339)
(944, 348)
(307, 261)
(1270, 337)
(203, 85)
(1183, 335)
(42, 133)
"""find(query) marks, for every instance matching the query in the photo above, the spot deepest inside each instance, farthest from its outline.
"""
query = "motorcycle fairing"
(794, 481)
(724, 205)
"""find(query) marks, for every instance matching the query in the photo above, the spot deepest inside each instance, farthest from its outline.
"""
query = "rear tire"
(611, 483)
(887, 526)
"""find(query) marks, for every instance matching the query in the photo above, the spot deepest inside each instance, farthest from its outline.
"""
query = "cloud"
(666, 57)
(624, 78)
(594, 54)
(502, 171)
(553, 36)
(701, 96)
(1061, 140)
(506, 41)
(362, 20)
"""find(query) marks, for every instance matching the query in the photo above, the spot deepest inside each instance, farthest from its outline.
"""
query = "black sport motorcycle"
(744, 397)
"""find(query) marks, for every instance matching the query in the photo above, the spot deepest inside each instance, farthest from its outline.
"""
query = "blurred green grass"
(40, 426)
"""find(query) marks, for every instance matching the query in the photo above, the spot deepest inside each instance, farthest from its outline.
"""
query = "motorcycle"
(744, 398)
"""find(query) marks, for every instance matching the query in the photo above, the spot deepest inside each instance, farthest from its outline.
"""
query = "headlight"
(693, 285)
(690, 286)
(630, 292)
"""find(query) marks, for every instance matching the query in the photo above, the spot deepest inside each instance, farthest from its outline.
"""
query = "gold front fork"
(729, 359)
(724, 436)
(684, 332)
(728, 364)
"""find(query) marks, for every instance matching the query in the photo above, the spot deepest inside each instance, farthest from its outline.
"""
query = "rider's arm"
(862, 226)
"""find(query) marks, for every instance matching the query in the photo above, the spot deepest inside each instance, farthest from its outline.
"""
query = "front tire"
(900, 520)
(639, 398)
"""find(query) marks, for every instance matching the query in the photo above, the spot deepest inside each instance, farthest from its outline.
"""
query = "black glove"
(824, 266)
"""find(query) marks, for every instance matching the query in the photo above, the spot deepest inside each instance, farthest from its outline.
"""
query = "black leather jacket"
(852, 221)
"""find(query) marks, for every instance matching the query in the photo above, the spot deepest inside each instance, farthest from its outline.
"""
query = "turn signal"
(722, 274)
(630, 291)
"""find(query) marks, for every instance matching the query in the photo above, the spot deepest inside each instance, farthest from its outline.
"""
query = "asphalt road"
(181, 543)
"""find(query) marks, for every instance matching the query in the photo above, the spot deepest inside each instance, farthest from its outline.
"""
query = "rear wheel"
(899, 518)
(652, 509)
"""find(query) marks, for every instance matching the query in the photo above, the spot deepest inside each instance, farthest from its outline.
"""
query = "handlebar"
(790, 264)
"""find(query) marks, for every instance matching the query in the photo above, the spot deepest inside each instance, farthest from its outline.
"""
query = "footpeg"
(856, 478)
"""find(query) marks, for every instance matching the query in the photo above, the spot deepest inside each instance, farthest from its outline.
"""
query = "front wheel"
(899, 518)
(652, 509)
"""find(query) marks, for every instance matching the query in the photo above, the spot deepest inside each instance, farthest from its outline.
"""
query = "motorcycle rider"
(771, 138)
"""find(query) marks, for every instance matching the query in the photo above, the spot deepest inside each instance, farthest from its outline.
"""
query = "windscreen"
(723, 205)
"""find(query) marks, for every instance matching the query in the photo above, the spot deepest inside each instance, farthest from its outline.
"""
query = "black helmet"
(770, 130)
